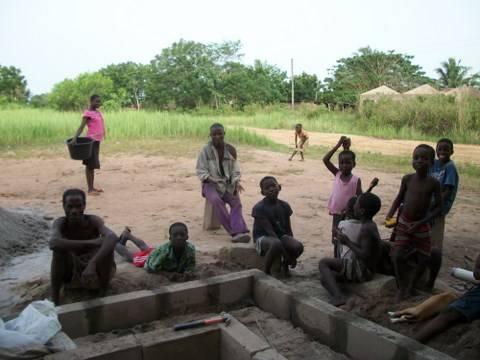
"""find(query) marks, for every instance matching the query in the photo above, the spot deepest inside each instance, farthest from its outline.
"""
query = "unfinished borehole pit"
(270, 321)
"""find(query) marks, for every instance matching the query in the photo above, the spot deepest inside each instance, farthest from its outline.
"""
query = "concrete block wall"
(126, 310)
(342, 331)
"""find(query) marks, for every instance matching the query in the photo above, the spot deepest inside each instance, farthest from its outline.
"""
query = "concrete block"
(123, 348)
(273, 296)
(201, 344)
(315, 317)
(108, 313)
(269, 354)
(237, 342)
(366, 339)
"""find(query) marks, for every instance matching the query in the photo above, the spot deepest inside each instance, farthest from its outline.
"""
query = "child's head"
(346, 161)
(444, 149)
(349, 210)
(74, 202)
(423, 157)
(217, 134)
(270, 187)
(298, 128)
(367, 206)
(178, 233)
(95, 101)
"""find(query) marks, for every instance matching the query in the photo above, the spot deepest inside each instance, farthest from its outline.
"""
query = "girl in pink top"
(93, 119)
(345, 186)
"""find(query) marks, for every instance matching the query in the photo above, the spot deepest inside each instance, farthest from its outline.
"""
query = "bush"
(431, 115)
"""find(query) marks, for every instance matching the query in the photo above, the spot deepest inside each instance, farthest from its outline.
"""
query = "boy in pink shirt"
(93, 119)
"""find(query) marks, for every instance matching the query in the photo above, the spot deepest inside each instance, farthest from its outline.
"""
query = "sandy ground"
(463, 153)
(148, 193)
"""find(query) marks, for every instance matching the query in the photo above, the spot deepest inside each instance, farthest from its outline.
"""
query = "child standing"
(301, 138)
(345, 186)
(445, 172)
(93, 119)
(272, 230)
(412, 233)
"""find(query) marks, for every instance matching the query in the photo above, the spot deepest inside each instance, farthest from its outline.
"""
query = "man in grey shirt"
(219, 171)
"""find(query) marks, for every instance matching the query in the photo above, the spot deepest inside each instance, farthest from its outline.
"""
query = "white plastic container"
(464, 275)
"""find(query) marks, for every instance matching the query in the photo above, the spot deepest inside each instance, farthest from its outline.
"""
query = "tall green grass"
(30, 127)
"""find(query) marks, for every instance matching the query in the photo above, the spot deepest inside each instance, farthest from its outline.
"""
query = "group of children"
(83, 250)
(83, 246)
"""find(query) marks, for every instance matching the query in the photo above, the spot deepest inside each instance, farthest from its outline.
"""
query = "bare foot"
(338, 301)
(98, 190)
(93, 193)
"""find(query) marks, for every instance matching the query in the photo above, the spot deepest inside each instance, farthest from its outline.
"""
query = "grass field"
(26, 131)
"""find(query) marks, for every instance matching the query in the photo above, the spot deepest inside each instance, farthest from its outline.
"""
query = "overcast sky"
(50, 40)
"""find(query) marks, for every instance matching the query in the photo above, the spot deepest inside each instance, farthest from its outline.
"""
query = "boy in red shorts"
(412, 234)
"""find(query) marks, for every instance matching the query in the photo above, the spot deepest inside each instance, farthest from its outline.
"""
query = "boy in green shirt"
(175, 256)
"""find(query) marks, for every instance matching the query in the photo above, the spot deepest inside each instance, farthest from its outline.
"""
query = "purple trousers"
(233, 222)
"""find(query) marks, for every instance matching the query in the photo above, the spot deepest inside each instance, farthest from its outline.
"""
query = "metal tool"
(223, 317)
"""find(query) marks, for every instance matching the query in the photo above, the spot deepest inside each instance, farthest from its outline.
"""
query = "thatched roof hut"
(379, 92)
(463, 91)
(422, 90)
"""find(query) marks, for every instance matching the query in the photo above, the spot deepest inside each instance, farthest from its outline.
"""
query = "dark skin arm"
(366, 244)
(267, 226)
(373, 183)
(80, 129)
(326, 159)
(60, 243)
(399, 199)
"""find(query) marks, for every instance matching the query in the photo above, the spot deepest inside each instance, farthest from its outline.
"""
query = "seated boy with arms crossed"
(82, 248)
(272, 230)
(412, 233)
(359, 255)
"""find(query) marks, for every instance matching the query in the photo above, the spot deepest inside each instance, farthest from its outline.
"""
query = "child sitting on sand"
(272, 230)
(359, 248)
(346, 185)
(175, 256)
(82, 248)
(301, 138)
(412, 233)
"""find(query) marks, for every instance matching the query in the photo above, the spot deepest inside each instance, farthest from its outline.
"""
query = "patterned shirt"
(163, 259)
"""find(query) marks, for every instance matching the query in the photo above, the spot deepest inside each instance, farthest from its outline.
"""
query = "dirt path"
(150, 192)
(463, 153)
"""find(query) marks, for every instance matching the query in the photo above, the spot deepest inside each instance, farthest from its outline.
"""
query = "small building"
(422, 90)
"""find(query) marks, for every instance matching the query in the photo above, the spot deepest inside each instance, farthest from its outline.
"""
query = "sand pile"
(21, 232)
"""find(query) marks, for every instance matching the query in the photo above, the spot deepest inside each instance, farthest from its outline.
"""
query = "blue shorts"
(469, 304)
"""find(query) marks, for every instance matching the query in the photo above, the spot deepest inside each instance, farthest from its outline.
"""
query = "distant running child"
(93, 119)
(412, 232)
(346, 185)
(301, 138)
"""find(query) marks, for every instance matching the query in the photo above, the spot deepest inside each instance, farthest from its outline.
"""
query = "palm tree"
(453, 74)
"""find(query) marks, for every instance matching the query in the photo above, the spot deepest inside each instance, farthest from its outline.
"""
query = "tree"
(368, 69)
(75, 94)
(452, 74)
(270, 83)
(13, 86)
(39, 101)
(306, 88)
(187, 73)
(128, 82)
